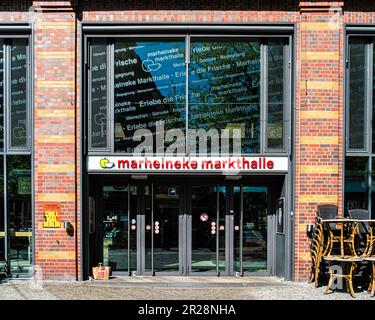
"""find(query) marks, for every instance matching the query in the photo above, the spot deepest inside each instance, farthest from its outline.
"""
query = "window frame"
(367, 32)
(107, 148)
(7, 98)
(21, 31)
(287, 80)
(368, 98)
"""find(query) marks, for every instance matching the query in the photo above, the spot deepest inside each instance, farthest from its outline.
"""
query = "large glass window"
(224, 87)
(98, 96)
(275, 95)
(357, 96)
(15, 159)
(18, 123)
(149, 87)
(360, 125)
(220, 87)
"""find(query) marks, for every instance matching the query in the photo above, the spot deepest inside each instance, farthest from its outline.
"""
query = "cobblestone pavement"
(29, 289)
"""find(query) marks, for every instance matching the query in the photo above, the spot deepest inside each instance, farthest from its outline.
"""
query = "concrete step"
(190, 282)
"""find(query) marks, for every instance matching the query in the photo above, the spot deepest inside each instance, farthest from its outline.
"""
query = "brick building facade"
(318, 48)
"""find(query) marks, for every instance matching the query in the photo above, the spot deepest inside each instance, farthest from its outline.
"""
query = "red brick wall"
(55, 136)
(318, 110)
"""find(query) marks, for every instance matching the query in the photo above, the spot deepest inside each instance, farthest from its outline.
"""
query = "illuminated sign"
(225, 165)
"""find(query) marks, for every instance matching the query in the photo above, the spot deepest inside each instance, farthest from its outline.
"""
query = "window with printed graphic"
(18, 95)
(224, 96)
(98, 117)
(149, 86)
(224, 88)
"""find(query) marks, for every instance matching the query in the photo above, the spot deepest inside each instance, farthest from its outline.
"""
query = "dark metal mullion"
(6, 94)
(367, 98)
(370, 116)
(7, 260)
(152, 229)
(263, 95)
(187, 62)
(30, 105)
(287, 69)
(217, 229)
(110, 97)
(241, 230)
(347, 100)
(129, 269)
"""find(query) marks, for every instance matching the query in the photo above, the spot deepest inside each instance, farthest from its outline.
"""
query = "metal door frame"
(181, 231)
(189, 231)
(229, 227)
(185, 223)
(99, 220)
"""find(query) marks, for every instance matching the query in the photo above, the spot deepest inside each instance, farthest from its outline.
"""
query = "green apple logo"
(106, 164)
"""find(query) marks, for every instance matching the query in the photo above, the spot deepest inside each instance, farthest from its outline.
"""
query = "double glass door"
(186, 228)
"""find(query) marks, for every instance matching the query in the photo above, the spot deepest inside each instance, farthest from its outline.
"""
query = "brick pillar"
(54, 137)
(319, 119)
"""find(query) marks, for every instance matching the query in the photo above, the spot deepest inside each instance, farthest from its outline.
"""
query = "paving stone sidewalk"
(278, 290)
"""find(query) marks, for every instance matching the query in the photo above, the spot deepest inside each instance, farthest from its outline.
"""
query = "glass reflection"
(356, 185)
(98, 116)
(166, 226)
(19, 213)
(119, 229)
(149, 87)
(18, 111)
(357, 99)
(224, 88)
(275, 114)
(254, 229)
(204, 221)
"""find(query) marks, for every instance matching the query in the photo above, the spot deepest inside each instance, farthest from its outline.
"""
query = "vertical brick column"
(319, 119)
(56, 251)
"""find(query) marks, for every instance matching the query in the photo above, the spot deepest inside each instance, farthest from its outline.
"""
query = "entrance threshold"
(191, 281)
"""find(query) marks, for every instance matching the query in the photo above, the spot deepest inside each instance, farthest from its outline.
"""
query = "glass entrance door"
(168, 203)
(207, 228)
(181, 232)
(203, 227)
(119, 225)
(250, 229)
(186, 228)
